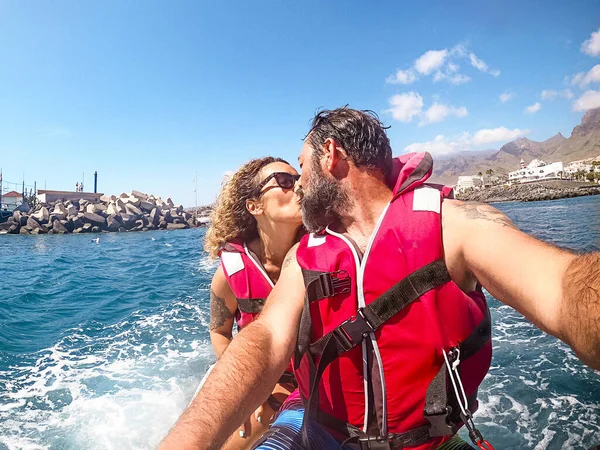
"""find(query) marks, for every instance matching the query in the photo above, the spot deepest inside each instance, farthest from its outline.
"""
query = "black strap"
(351, 332)
(251, 305)
(288, 378)
(437, 409)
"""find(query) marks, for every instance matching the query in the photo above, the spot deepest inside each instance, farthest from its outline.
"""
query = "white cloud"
(506, 96)
(533, 108)
(451, 68)
(589, 100)
(430, 61)
(482, 66)
(478, 63)
(438, 112)
(402, 77)
(582, 79)
(592, 45)
(500, 134)
(404, 107)
(549, 94)
(442, 145)
(439, 146)
(459, 78)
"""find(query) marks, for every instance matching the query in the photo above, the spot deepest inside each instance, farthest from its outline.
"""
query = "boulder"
(92, 208)
(24, 230)
(128, 221)
(132, 200)
(112, 209)
(77, 230)
(170, 203)
(162, 225)
(57, 215)
(154, 218)
(86, 228)
(121, 229)
(176, 226)
(24, 207)
(179, 209)
(94, 219)
(76, 222)
(123, 195)
(147, 206)
(71, 210)
(36, 231)
(159, 202)
(120, 206)
(105, 199)
(112, 223)
(177, 220)
(6, 226)
(42, 216)
(17, 216)
(23, 220)
(14, 228)
(133, 209)
(96, 230)
(68, 225)
(33, 224)
(58, 227)
(139, 195)
(191, 223)
(167, 216)
(139, 224)
(101, 206)
(60, 208)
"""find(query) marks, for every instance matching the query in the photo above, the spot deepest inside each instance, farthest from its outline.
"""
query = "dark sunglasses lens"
(285, 180)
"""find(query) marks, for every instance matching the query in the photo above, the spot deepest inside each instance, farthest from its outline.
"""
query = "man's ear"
(334, 155)
(254, 207)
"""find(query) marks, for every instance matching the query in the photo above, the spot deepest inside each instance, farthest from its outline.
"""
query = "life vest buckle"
(440, 424)
(374, 443)
(354, 330)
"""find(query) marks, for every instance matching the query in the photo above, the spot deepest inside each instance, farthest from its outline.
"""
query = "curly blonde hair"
(230, 219)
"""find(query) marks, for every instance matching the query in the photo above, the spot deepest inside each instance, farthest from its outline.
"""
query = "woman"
(256, 221)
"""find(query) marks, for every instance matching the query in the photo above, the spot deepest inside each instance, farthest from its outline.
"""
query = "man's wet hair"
(360, 133)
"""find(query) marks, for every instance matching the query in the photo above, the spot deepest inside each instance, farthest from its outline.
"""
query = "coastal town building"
(11, 200)
(468, 182)
(536, 170)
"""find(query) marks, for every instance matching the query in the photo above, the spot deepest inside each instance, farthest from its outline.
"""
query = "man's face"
(324, 197)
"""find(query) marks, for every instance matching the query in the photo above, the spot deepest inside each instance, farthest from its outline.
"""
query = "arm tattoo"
(219, 312)
(482, 211)
(291, 256)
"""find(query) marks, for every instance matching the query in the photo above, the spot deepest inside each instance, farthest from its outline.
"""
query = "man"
(402, 263)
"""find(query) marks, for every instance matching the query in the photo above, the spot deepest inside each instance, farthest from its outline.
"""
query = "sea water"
(103, 343)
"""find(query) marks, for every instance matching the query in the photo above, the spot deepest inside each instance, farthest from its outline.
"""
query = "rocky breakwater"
(531, 192)
(128, 212)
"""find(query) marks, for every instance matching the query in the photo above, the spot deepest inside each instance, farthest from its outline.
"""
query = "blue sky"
(149, 92)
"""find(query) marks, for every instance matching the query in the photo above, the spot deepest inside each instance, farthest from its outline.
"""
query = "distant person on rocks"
(256, 221)
(77, 187)
(382, 307)
(81, 187)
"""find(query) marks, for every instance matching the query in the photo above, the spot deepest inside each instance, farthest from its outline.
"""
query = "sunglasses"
(284, 180)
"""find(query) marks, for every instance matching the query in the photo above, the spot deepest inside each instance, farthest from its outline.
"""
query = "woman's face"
(280, 205)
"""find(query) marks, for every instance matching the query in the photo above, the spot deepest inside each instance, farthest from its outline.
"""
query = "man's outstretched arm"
(247, 371)
(555, 289)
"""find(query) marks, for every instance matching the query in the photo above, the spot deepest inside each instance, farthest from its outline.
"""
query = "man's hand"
(542, 282)
(246, 373)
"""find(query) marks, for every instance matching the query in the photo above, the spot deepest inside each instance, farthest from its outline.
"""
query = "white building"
(536, 170)
(467, 182)
(576, 166)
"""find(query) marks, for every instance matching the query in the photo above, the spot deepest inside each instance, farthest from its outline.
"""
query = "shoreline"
(532, 192)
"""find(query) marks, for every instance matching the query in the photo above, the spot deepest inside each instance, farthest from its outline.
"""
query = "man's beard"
(325, 199)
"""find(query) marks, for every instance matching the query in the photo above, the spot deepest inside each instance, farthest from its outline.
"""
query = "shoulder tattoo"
(219, 312)
(483, 211)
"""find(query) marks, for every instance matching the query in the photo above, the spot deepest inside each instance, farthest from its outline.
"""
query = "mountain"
(583, 143)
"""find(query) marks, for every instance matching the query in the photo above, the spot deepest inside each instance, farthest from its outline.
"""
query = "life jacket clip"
(354, 330)
(374, 443)
(440, 424)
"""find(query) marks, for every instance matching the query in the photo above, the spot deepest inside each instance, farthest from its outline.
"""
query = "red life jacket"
(247, 279)
(251, 286)
(374, 332)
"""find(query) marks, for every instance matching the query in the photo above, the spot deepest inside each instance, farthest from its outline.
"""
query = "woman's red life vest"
(247, 279)
(375, 327)
(251, 286)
